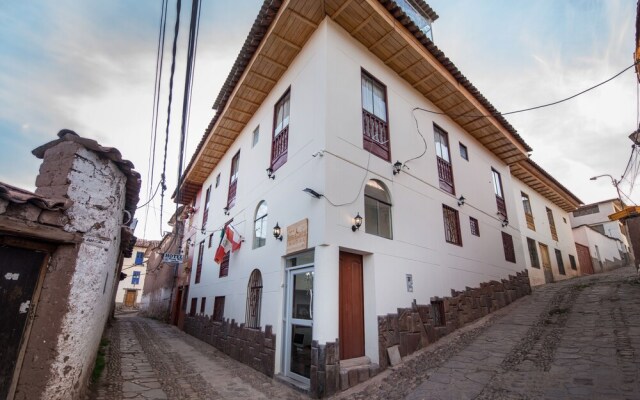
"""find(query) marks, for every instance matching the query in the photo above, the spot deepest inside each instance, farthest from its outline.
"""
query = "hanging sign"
(172, 258)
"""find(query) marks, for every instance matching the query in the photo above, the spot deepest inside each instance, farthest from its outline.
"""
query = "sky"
(89, 66)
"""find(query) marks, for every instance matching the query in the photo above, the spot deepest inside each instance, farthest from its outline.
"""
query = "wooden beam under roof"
(362, 24)
(303, 18)
(287, 42)
(273, 62)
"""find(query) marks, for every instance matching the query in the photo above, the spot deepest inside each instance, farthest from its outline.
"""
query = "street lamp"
(614, 182)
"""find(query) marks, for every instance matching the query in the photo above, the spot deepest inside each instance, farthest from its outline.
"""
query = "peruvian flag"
(230, 240)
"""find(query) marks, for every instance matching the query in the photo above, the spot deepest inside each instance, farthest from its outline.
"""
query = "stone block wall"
(414, 328)
(253, 347)
(325, 368)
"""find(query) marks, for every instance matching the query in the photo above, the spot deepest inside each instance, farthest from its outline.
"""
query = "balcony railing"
(231, 199)
(376, 135)
(502, 208)
(530, 224)
(445, 173)
(279, 148)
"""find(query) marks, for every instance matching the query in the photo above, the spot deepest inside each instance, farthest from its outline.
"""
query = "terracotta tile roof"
(146, 243)
(21, 196)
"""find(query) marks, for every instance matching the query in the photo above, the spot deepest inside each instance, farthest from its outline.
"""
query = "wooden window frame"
(378, 202)
(528, 212)
(552, 224)
(199, 264)
(373, 126)
(254, 300)
(218, 308)
(451, 219)
(500, 200)
(464, 154)
(224, 265)
(475, 226)
(203, 305)
(533, 253)
(280, 139)
(445, 168)
(205, 207)
(509, 249)
(560, 262)
(572, 262)
(233, 183)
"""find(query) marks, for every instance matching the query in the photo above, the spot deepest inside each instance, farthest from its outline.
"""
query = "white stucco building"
(129, 292)
(545, 231)
(329, 97)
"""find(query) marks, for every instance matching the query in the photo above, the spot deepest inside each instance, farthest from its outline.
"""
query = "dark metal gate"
(19, 272)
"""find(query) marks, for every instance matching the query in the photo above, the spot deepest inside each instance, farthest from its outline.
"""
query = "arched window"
(377, 209)
(260, 226)
(254, 300)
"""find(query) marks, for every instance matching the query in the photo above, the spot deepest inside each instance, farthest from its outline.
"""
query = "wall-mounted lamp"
(277, 232)
(461, 200)
(357, 222)
(312, 192)
(189, 243)
(397, 167)
(505, 222)
(226, 210)
(270, 173)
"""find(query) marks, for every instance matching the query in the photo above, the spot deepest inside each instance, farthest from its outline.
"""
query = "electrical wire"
(166, 139)
(413, 113)
(151, 199)
(531, 108)
(154, 109)
(362, 184)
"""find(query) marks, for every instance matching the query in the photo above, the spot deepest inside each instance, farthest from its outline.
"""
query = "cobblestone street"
(575, 339)
(152, 360)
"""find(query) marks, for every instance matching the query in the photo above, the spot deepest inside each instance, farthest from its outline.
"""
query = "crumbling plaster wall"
(97, 188)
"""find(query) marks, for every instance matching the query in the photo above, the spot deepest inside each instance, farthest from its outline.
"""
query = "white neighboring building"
(596, 216)
(129, 293)
(598, 252)
(544, 223)
(324, 95)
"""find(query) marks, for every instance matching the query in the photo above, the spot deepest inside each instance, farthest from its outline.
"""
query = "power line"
(166, 138)
(531, 108)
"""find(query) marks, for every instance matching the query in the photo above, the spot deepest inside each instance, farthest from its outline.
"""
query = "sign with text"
(172, 258)
(297, 236)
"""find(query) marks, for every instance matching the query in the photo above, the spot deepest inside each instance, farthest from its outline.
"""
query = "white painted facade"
(605, 251)
(326, 121)
(130, 268)
(542, 234)
(614, 229)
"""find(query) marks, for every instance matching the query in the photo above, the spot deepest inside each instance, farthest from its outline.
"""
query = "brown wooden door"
(130, 298)
(584, 258)
(351, 306)
(19, 272)
(546, 263)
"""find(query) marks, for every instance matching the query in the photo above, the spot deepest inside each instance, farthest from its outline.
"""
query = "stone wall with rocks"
(325, 368)
(415, 327)
(253, 347)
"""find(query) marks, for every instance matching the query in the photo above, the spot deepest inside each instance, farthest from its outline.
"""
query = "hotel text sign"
(297, 236)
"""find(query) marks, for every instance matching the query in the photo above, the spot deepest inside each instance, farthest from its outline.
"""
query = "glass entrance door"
(299, 323)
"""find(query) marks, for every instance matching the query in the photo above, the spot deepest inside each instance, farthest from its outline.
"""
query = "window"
(377, 209)
(464, 153)
(256, 137)
(280, 140)
(587, 210)
(509, 251)
(135, 278)
(233, 180)
(203, 305)
(199, 264)
(254, 300)
(139, 258)
(560, 262)
(218, 179)
(598, 228)
(451, 225)
(205, 214)
(445, 171)
(528, 214)
(552, 225)
(475, 226)
(375, 129)
(224, 265)
(533, 253)
(572, 261)
(497, 188)
(260, 226)
(194, 304)
(439, 317)
(210, 240)
(218, 308)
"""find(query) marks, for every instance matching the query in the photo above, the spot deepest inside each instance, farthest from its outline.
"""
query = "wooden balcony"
(376, 135)
(502, 208)
(445, 173)
(530, 224)
(279, 148)
(231, 198)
